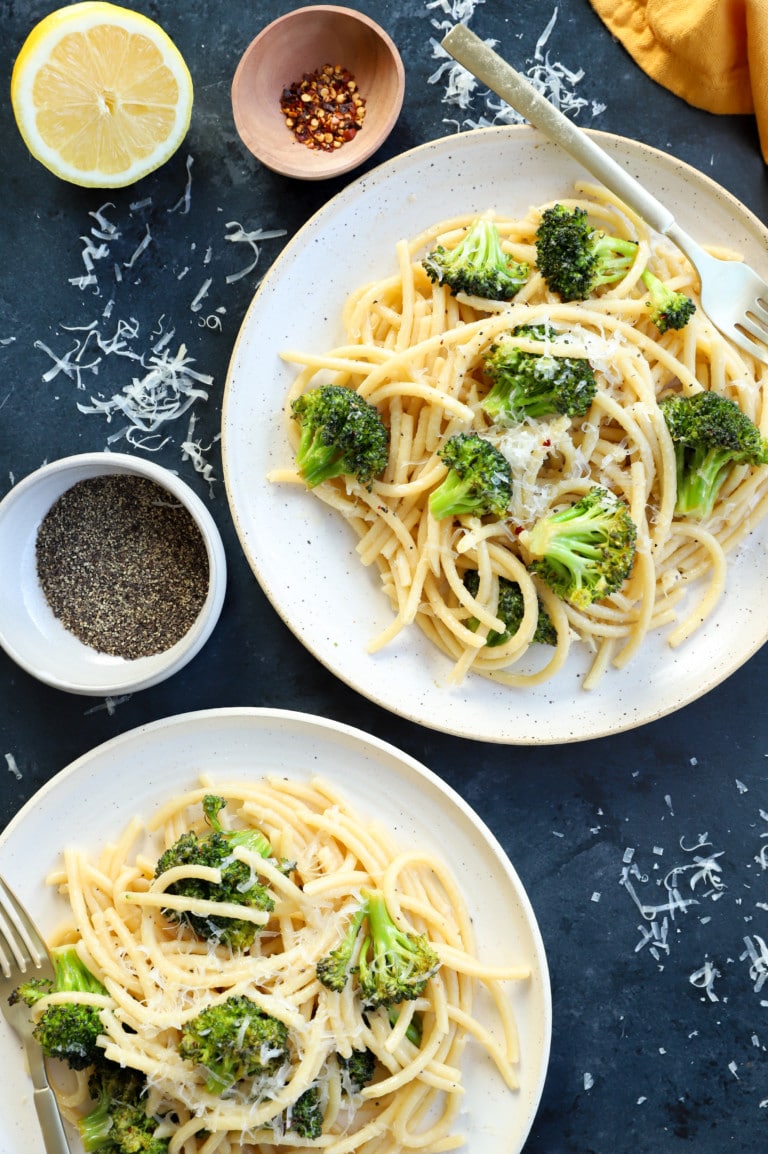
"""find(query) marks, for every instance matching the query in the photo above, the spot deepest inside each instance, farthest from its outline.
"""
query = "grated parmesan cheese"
(704, 979)
(458, 10)
(183, 205)
(553, 79)
(757, 953)
(240, 236)
(192, 450)
(13, 768)
(109, 704)
(164, 393)
(143, 245)
(167, 386)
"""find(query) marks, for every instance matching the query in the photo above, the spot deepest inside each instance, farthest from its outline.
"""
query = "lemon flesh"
(101, 94)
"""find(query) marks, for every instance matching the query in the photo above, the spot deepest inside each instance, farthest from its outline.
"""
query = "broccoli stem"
(393, 965)
(699, 481)
(333, 969)
(251, 839)
(71, 973)
(95, 1127)
(454, 497)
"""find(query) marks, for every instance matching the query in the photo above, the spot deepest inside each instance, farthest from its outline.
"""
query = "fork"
(23, 955)
(733, 296)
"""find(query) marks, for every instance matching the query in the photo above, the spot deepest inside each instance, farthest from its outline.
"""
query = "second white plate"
(90, 802)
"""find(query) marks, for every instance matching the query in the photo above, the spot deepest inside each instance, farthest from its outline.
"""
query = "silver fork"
(733, 296)
(23, 955)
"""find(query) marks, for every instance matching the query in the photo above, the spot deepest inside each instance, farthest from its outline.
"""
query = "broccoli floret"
(711, 434)
(510, 609)
(574, 258)
(31, 991)
(119, 1123)
(357, 1070)
(477, 265)
(393, 966)
(237, 885)
(533, 385)
(334, 969)
(669, 309)
(585, 551)
(479, 479)
(305, 1116)
(232, 1041)
(341, 434)
(66, 1030)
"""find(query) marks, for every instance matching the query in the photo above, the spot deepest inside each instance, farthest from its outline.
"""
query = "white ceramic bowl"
(33, 636)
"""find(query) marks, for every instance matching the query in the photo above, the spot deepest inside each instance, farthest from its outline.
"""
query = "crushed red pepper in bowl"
(324, 109)
(302, 113)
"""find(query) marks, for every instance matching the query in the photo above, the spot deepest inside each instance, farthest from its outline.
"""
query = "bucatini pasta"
(159, 977)
(415, 351)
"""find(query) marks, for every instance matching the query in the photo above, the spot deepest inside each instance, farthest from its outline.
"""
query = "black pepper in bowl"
(122, 565)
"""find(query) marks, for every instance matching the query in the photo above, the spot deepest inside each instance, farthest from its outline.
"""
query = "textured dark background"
(643, 1060)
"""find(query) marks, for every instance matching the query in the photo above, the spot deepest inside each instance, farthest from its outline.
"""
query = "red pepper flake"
(324, 109)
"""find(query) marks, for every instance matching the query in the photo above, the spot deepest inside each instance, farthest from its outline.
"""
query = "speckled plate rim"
(301, 553)
(135, 772)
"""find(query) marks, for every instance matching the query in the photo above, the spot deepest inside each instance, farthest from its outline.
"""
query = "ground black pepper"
(122, 564)
(324, 109)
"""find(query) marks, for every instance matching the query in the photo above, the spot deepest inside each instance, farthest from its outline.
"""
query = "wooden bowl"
(301, 42)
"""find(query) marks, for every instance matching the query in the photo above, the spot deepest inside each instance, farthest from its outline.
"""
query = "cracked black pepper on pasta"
(324, 109)
(122, 565)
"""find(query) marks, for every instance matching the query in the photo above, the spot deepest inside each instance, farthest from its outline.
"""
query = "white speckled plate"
(304, 556)
(93, 799)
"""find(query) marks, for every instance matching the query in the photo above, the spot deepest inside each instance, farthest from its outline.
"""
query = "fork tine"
(22, 949)
(9, 951)
(17, 935)
(749, 325)
(760, 311)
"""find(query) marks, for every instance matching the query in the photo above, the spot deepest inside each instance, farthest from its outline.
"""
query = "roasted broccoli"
(357, 1070)
(585, 551)
(393, 966)
(66, 1030)
(305, 1117)
(574, 258)
(232, 1041)
(238, 883)
(531, 385)
(477, 265)
(510, 610)
(119, 1122)
(334, 968)
(668, 309)
(479, 479)
(711, 435)
(340, 434)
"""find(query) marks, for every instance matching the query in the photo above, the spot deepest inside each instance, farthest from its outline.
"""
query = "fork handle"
(471, 52)
(51, 1125)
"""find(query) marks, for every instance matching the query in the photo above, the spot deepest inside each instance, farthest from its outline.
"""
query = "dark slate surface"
(642, 1059)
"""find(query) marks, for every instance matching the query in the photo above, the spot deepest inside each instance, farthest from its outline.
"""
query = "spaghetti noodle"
(416, 352)
(159, 977)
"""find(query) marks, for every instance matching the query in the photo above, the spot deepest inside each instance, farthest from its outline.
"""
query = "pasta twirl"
(159, 977)
(416, 352)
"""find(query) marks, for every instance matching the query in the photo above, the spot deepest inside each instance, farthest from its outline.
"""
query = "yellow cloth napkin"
(712, 53)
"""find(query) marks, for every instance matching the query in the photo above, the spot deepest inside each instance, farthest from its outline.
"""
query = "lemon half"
(101, 94)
